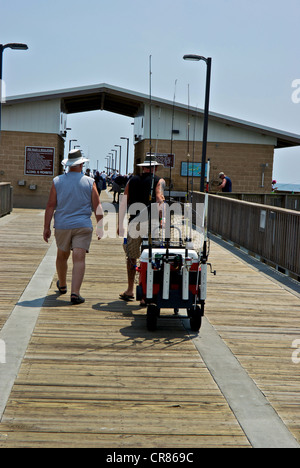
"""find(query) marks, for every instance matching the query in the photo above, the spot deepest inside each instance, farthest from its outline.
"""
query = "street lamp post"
(108, 164)
(208, 61)
(116, 158)
(14, 46)
(112, 166)
(120, 158)
(124, 138)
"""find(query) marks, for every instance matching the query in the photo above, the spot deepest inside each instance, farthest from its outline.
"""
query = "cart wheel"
(139, 293)
(152, 315)
(195, 316)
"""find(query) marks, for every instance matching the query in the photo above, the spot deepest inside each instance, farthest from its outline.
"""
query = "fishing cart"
(173, 272)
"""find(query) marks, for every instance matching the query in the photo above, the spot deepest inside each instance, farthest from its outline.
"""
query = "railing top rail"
(259, 194)
(251, 204)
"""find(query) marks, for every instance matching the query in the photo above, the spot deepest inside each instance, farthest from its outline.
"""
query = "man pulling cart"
(172, 272)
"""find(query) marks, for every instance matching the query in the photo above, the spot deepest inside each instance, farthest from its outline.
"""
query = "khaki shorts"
(133, 248)
(69, 239)
(134, 241)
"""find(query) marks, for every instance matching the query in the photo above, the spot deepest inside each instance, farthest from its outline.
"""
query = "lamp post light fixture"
(208, 61)
(14, 46)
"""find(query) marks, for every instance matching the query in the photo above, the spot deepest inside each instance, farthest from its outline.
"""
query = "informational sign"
(166, 159)
(194, 169)
(39, 161)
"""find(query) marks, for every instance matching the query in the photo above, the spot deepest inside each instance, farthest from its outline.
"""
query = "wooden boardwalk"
(93, 376)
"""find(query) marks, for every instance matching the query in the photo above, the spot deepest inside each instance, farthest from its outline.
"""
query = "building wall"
(241, 162)
(12, 162)
(162, 124)
(40, 116)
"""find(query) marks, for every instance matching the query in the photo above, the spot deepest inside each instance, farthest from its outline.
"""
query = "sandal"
(63, 289)
(75, 299)
(126, 298)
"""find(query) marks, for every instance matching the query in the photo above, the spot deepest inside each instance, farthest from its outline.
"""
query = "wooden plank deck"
(94, 376)
(259, 320)
(21, 251)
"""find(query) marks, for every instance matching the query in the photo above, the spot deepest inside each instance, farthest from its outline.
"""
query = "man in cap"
(226, 184)
(72, 199)
(138, 190)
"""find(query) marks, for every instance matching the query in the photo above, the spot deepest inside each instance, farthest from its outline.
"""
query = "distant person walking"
(99, 182)
(226, 184)
(73, 197)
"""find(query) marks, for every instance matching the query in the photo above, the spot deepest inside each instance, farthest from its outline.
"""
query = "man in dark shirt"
(138, 190)
(226, 184)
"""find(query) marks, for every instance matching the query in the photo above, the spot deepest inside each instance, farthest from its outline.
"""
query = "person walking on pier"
(73, 197)
(138, 190)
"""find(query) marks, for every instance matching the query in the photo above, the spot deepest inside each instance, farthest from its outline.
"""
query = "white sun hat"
(150, 161)
(74, 159)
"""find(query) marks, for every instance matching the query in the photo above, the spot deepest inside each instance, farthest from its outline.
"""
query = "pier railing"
(268, 232)
(6, 198)
(288, 201)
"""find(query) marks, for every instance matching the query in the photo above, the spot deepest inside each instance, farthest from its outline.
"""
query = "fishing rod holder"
(213, 272)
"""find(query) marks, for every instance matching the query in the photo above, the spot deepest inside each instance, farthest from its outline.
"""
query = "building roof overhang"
(110, 98)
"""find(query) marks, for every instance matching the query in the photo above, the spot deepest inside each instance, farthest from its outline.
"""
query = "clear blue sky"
(254, 45)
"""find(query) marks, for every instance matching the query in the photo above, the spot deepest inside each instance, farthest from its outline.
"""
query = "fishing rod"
(150, 260)
(194, 143)
(188, 147)
(172, 137)
(167, 266)
(187, 215)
